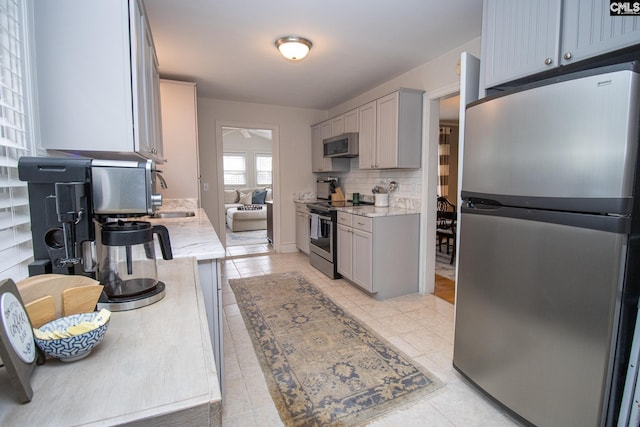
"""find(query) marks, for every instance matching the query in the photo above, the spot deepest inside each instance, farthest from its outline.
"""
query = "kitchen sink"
(173, 214)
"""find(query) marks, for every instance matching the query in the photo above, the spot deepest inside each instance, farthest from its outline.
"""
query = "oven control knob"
(156, 200)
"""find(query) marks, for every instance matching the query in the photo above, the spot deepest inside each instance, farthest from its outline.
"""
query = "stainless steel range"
(323, 233)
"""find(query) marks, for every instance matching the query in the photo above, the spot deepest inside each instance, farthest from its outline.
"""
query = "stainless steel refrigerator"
(547, 287)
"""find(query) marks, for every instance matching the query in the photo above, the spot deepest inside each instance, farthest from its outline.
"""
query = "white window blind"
(235, 169)
(15, 231)
(263, 169)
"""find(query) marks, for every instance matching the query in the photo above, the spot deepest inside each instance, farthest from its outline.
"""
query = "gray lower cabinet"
(209, 271)
(302, 228)
(379, 254)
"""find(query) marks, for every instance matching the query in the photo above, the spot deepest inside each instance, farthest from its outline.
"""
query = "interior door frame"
(431, 118)
(468, 88)
(275, 176)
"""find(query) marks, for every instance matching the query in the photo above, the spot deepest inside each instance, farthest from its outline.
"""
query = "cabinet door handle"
(548, 61)
(567, 55)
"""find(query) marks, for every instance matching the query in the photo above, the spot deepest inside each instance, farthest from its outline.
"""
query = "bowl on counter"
(75, 347)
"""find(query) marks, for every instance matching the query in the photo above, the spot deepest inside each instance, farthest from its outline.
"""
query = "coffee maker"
(84, 220)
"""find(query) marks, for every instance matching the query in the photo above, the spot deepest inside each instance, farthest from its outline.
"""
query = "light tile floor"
(419, 325)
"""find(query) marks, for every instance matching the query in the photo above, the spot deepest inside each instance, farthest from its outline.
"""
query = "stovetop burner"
(328, 205)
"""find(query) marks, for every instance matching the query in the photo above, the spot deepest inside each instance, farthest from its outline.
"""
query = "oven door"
(321, 235)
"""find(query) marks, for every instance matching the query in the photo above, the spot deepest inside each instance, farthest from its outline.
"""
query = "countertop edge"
(202, 405)
(192, 236)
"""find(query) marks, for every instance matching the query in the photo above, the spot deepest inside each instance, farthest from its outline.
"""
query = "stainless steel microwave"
(345, 145)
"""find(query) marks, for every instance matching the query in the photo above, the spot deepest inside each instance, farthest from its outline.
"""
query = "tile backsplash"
(178, 204)
(407, 195)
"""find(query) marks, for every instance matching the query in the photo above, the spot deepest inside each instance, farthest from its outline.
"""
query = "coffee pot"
(128, 262)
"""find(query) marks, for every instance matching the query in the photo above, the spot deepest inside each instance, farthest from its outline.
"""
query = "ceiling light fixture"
(293, 48)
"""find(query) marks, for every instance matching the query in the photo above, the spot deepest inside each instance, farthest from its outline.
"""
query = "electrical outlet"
(205, 186)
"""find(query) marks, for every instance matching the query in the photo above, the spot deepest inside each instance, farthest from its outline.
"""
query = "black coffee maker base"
(130, 303)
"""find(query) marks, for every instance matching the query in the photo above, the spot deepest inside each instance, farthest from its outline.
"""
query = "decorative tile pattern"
(427, 338)
(323, 366)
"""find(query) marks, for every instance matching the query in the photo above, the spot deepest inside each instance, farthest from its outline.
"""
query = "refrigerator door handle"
(609, 223)
(480, 203)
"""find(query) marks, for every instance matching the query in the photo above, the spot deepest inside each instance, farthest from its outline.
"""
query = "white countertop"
(155, 364)
(192, 236)
(370, 211)
(377, 211)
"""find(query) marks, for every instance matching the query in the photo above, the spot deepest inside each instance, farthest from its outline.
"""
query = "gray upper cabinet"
(389, 133)
(319, 163)
(97, 79)
(524, 37)
(337, 126)
(396, 141)
(367, 135)
(351, 122)
(519, 38)
(588, 30)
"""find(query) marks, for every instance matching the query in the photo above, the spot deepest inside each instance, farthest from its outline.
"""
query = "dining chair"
(446, 226)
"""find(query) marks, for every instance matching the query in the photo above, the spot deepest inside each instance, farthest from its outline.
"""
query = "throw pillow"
(245, 198)
(269, 197)
(258, 197)
(230, 196)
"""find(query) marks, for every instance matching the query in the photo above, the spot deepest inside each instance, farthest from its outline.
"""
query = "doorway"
(468, 88)
(247, 176)
(448, 135)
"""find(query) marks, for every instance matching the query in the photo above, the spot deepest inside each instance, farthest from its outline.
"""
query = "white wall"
(295, 139)
(435, 74)
(294, 152)
(438, 73)
(180, 140)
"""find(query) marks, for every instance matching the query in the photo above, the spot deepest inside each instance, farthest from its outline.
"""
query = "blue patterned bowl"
(75, 347)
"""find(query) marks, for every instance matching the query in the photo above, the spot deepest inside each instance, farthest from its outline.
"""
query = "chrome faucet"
(163, 183)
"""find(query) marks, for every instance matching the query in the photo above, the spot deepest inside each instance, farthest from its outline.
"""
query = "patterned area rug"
(443, 266)
(240, 238)
(323, 367)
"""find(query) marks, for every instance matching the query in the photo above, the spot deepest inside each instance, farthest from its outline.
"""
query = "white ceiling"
(227, 46)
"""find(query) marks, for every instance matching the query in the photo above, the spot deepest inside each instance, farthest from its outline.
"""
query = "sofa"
(245, 208)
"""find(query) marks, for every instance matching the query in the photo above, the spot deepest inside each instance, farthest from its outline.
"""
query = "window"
(235, 169)
(15, 141)
(263, 169)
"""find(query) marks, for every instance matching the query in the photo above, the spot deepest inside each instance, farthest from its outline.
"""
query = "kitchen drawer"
(345, 218)
(362, 223)
(301, 207)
